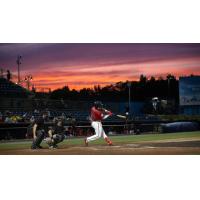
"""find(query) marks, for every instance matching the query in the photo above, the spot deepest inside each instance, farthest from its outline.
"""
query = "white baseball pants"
(99, 132)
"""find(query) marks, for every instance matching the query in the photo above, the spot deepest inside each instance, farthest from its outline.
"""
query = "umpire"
(39, 131)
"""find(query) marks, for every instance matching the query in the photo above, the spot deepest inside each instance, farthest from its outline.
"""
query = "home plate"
(140, 146)
(133, 145)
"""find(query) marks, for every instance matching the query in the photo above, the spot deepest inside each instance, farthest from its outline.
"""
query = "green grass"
(116, 140)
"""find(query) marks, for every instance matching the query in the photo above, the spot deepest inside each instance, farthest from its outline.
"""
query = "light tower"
(129, 95)
(18, 68)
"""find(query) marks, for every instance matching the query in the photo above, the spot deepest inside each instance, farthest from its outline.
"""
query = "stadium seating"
(8, 88)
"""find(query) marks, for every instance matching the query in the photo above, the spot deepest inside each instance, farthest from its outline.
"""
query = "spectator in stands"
(36, 111)
(8, 118)
(48, 112)
(8, 75)
(15, 118)
(32, 119)
(63, 116)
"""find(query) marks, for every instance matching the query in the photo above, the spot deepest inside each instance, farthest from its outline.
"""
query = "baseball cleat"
(36, 147)
(53, 147)
(86, 142)
(109, 142)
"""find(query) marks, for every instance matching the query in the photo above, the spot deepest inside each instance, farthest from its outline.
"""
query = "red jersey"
(97, 115)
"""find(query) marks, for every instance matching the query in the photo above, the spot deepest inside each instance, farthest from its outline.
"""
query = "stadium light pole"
(18, 67)
(168, 81)
(129, 96)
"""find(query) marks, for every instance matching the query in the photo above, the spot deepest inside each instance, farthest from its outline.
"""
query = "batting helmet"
(98, 104)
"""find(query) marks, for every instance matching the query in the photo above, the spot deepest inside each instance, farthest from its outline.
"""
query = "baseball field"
(184, 143)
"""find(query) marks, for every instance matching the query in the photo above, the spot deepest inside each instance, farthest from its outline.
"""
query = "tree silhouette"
(141, 90)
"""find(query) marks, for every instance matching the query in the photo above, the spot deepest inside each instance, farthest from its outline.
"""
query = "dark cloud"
(57, 55)
(87, 73)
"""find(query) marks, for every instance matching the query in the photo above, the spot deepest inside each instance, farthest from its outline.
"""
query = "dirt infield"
(168, 147)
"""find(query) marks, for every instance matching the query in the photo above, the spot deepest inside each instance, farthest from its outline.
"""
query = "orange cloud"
(77, 77)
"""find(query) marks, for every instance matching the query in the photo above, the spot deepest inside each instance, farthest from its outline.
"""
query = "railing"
(23, 130)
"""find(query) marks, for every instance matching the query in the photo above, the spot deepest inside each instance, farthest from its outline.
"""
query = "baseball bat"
(121, 116)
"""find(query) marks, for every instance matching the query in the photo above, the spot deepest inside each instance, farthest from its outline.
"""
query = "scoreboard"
(189, 90)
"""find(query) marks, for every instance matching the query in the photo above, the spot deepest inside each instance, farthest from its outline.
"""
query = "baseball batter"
(98, 113)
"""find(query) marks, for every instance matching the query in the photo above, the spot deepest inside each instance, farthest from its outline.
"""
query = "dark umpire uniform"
(57, 134)
(38, 131)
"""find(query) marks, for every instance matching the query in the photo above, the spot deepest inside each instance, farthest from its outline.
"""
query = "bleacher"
(14, 99)
(10, 89)
(77, 114)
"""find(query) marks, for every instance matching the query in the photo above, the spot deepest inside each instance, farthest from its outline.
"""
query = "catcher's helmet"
(98, 104)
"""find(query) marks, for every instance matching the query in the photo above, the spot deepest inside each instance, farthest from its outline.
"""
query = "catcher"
(56, 134)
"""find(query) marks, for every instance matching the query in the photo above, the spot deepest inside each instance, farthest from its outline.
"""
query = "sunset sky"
(85, 65)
